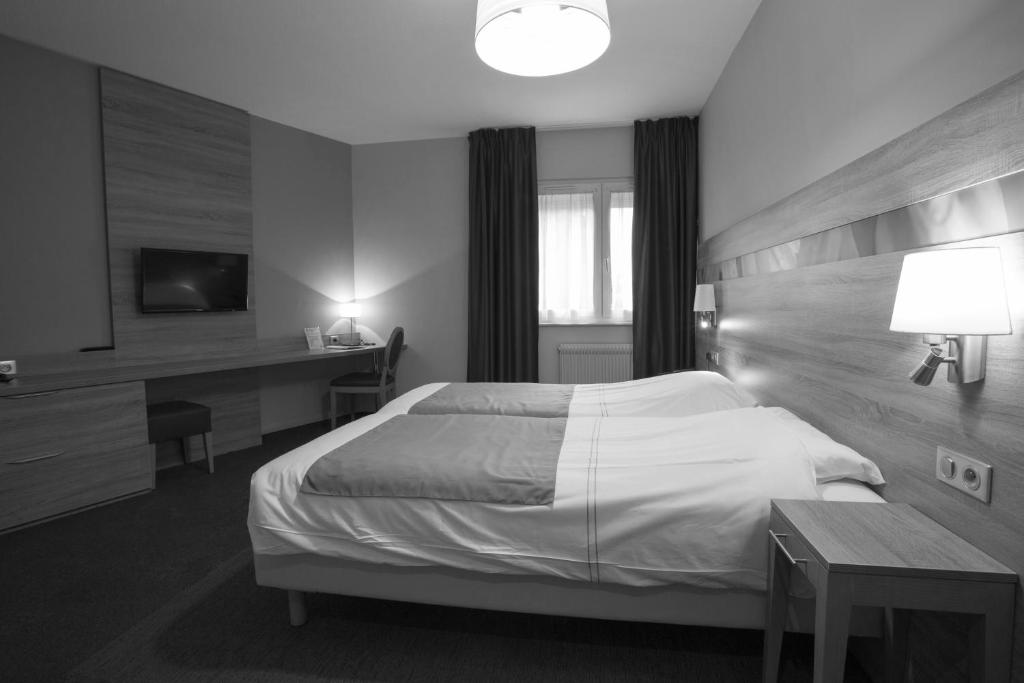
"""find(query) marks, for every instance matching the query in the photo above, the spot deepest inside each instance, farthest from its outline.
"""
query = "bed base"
(683, 605)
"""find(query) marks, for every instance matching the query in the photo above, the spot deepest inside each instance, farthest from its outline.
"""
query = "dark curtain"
(664, 244)
(503, 256)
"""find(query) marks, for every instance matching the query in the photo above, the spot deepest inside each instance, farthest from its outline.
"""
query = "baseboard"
(280, 424)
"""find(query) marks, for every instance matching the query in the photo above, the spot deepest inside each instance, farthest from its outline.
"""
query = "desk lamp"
(350, 310)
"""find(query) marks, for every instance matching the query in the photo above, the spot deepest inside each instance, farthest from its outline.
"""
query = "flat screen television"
(193, 281)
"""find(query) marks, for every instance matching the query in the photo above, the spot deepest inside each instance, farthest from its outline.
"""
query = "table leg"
(991, 638)
(775, 620)
(831, 627)
(897, 625)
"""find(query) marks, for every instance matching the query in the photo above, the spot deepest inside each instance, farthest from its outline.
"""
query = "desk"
(890, 556)
(53, 372)
(73, 426)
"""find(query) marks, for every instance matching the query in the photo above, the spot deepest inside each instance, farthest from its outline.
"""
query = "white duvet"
(638, 501)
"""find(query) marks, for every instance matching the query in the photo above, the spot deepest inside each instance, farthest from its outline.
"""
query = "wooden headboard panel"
(815, 339)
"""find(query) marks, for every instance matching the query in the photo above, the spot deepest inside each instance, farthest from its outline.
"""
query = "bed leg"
(297, 607)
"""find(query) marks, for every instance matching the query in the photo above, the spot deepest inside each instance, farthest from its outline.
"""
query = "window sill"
(591, 323)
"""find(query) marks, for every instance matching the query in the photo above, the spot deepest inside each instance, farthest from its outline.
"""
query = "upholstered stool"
(180, 420)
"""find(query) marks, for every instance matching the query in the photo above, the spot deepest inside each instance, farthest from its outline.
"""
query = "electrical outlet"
(963, 472)
(334, 339)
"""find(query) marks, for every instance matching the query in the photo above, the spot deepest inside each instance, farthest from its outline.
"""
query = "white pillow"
(832, 460)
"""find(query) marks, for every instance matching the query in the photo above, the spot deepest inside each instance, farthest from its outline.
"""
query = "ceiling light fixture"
(541, 37)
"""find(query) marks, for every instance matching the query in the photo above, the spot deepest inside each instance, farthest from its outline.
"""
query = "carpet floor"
(160, 588)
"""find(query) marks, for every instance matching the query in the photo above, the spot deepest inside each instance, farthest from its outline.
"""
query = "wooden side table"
(890, 556)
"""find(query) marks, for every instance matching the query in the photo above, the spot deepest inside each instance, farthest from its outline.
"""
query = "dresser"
(71, 448)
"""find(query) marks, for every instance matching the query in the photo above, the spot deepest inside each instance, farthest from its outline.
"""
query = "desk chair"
(180, 420)
(380, 382)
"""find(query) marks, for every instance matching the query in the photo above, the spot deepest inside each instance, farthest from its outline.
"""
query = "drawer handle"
(778, 538)
(18, 397)
(36, 458)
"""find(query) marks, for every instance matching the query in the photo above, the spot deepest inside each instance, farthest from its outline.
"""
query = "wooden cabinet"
(72, 448)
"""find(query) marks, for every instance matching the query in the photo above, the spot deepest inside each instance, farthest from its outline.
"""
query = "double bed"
(659, 508)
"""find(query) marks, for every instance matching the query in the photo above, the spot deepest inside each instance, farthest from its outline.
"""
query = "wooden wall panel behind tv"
(816, 340)
(177, 172)
(178, 176)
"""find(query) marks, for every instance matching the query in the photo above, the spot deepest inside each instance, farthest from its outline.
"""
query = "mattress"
(632, 506)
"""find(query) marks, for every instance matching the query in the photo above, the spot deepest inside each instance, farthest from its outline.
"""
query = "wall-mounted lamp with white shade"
(704, 306)
(350, 310)
(956, 296)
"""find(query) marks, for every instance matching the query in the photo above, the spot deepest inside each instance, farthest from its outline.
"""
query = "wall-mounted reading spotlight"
(704, 306)
(956, 296)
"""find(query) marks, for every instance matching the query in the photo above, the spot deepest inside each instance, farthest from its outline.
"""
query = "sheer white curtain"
(566, 256)
(620, 254)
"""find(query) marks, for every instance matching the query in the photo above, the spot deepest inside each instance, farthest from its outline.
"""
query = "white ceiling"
(364, 71)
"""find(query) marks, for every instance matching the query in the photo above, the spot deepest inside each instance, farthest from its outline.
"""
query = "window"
(586, 247)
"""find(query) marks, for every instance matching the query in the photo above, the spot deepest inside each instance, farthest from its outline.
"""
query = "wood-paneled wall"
(816, 341)
(177, 174)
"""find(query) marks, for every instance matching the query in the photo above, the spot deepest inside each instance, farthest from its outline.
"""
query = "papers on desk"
(313, 338)
(337, 347)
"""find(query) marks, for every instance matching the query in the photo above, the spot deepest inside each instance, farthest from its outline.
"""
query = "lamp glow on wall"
(704, 306)
(350, 310)
(541, 37)
(956, 296)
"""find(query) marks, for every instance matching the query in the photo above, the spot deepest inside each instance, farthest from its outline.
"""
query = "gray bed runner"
(498, 398)
(485, 458)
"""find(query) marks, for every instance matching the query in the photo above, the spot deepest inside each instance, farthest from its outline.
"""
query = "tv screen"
(193, 281)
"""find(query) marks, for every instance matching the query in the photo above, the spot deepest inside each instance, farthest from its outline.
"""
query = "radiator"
(590, 363)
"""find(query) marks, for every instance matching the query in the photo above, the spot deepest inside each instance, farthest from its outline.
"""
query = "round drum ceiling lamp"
(541, 37)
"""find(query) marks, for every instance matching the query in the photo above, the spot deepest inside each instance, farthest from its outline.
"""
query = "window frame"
(601, 189)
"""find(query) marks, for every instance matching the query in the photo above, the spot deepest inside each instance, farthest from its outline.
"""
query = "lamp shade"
(704, 298)
(952, 291)
(541, 37)
(350, 310)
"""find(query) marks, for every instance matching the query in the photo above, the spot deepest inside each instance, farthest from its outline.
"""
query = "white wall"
(302, 229)
(575, 154)
(815, 84)
(54, 293)
(302, 246)
(411, 228)
(585, 153)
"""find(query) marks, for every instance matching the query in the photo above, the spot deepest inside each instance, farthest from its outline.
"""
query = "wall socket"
(333, 339)
(963, 472)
